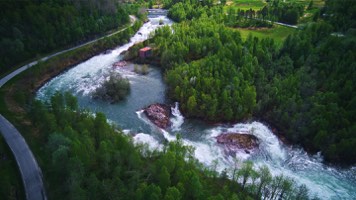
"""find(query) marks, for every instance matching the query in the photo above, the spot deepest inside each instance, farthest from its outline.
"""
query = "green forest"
(31, 28)
(304, 87)
(275, 10)
(97, 161)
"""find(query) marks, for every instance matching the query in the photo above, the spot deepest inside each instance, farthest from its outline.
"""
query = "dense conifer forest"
(34, 27)
(87, 158)
(305, 87)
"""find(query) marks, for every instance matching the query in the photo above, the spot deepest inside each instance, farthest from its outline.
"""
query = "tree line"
(243, 19)
(281, 11)
(285, 12)
(33, 27)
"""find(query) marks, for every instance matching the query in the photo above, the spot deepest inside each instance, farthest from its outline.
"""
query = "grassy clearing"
(278, 33)
(246, 4)
(259, 4)
(308, 15)
(316, 3)
(319, 3)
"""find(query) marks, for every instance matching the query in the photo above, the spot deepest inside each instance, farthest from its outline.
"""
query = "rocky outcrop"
(120, 63)
(158, 114)
(238, 141)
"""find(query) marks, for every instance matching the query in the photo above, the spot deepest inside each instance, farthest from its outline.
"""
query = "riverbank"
(32, 79)
(132, 55)
(18, 92)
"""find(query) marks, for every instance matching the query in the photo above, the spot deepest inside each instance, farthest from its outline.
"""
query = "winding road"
(29, 65)
(30, 171)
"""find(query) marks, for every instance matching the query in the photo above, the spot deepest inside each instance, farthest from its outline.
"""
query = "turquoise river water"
(326, 182)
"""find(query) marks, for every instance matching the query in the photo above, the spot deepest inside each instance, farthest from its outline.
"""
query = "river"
(326, 182)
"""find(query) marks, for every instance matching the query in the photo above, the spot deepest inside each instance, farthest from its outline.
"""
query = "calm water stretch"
(326, 182)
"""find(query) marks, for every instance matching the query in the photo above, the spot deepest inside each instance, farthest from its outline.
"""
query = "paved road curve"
(23, 68)
(30, 172)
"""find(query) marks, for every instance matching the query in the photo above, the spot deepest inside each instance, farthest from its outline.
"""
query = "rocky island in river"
(238, 141)
(158, 114)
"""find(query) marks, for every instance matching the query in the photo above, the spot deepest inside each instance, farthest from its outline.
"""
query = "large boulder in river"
(237, 141)
(158, 114)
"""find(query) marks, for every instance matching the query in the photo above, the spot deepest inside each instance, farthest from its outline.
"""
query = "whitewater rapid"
(89, 75)
(326, 182)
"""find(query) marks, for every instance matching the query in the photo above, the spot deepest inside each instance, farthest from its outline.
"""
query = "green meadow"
(258, 4)
(247, 4)
(278, 33)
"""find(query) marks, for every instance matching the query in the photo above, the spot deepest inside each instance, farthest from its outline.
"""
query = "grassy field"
(259, 4)
(246, 4)
(10, 181)
(278, 33)
(316, 3)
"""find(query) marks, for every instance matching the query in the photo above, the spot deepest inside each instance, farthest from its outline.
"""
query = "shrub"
(143, 70)
(114, 89)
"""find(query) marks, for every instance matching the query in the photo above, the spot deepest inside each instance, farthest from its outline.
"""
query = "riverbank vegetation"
(300, 88)
(141, 69)
(305, 89)
(27, 82)
(97, 161)
(17, 93)
(115, 89)
(32, 28)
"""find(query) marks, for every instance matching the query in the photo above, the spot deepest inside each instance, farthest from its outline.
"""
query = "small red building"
(145, 52)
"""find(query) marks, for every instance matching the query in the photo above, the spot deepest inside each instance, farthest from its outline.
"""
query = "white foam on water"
(168, 136)
(142, 138)
(177, 120)
(269, 143)
(126, 131)
(141, 116)
(206, 153)
(228, 154)
(89, 75)
(325, 182)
